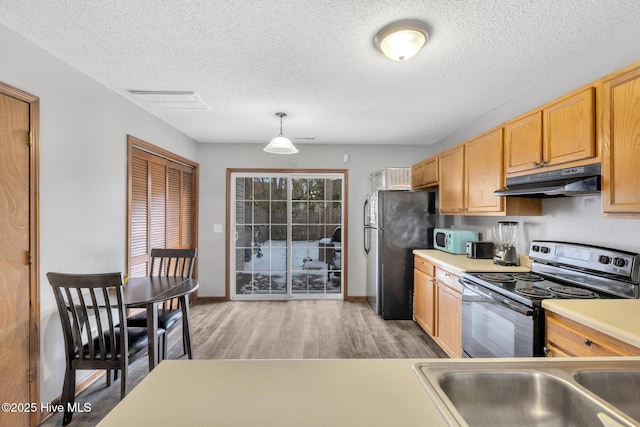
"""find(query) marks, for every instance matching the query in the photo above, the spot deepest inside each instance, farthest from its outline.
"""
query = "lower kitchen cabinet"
(566, 337)
(449, 320)
(438, 305)
(424, 294)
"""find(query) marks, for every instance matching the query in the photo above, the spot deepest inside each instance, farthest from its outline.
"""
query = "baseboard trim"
(356, 298)
(211, 299)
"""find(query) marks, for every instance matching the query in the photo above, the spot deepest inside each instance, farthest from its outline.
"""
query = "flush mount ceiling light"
(281, 144)
(401, 40)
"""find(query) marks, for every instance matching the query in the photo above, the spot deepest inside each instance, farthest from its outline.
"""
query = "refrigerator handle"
(365, 217)
(367, 227)
(367, 238)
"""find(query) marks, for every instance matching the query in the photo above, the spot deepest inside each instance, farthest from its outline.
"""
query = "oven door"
(495, 326)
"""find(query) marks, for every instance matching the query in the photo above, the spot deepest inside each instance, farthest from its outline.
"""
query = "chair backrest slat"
(172, 262)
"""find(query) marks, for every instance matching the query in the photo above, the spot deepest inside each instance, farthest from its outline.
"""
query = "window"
(286, 235)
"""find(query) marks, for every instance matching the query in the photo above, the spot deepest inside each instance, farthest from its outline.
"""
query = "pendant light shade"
(280, 144)
(402, 40)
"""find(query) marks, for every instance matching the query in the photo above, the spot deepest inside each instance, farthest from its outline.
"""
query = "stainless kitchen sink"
(621, 388)
(534, 393)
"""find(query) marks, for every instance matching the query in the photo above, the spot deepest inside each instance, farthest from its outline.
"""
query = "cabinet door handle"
(545, 163)
(536, 164)
(546, 350)
(588, 342)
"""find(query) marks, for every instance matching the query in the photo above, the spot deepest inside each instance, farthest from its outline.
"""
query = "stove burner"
(528, 277)
(497, 277)
(569, 292)
(534, 292)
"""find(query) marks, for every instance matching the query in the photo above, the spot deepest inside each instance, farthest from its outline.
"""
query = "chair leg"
(163, 343)
(68, 395)
(123, 382)
(185, 345)
(186, 328)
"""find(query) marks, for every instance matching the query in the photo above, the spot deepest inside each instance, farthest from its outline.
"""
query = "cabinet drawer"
(423, 265)
(448, 278)
(581, 341)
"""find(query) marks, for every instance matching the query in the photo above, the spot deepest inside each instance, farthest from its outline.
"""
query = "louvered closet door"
(162, 207)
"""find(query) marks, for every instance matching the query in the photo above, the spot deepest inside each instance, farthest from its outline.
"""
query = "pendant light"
(281, 144)
(401, 40)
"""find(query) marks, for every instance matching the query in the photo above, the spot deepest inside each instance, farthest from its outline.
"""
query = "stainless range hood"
(576, 181)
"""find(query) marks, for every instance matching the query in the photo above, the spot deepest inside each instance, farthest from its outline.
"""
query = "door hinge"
(32, 374)
(30, 141)
(29, 255)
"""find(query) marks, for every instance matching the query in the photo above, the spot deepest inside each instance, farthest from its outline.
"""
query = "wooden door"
(569, 129)
(451, 180)
(423, 304)
(620, 133)
(162, 204)
(483, 172)
(449, 320)
(417, 175)
(19, 316)
(523, 143)
(431, 171)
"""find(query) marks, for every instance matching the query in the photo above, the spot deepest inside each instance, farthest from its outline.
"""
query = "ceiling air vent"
(169, 100)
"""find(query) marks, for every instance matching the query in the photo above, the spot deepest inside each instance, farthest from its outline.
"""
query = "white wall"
(573, 219)
(619, 54)
(216, 158)
(83, 160)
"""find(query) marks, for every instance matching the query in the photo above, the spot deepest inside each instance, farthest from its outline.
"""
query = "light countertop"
(460, 263)
(287, 393)
(350, 392)
(618, 318)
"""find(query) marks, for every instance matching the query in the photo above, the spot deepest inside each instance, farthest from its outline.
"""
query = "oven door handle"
(475, 288)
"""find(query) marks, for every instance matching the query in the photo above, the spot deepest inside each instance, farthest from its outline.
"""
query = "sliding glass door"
(286, 235)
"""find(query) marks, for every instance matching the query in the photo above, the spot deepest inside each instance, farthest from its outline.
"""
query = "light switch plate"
(217, 228)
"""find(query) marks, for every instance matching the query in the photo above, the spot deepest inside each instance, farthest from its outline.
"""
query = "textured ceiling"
(248, 59)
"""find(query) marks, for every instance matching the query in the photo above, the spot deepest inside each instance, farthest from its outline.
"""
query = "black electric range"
(502, 313)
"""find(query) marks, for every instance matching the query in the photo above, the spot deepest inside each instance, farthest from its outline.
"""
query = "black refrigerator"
(395, 223)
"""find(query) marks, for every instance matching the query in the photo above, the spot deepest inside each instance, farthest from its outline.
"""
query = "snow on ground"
(266, 271)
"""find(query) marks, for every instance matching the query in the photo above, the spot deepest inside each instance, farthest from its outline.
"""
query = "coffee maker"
(506, 233)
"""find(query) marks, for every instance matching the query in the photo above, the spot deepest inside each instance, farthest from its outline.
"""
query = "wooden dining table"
(148, 293)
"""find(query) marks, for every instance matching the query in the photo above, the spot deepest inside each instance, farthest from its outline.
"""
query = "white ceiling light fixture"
(280, 144)
(402, 40)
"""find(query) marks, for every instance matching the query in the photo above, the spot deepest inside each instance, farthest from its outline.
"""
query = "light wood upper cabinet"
(425, 173)
(561, 133)
(483, 173)
(568, 129)
(451, 181)
(471, 172)
(620, 136)
(523, 142)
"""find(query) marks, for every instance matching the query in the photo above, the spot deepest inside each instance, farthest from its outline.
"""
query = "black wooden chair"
(176, 263)
(96, 334)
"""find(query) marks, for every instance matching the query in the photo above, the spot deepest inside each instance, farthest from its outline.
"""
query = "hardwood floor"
(275, 330)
